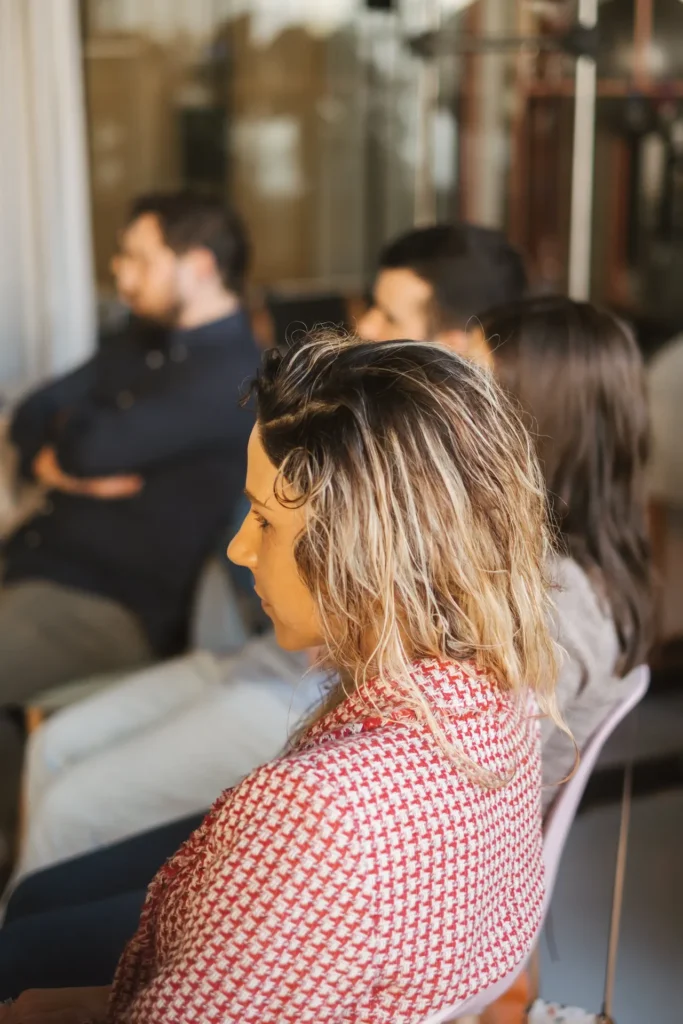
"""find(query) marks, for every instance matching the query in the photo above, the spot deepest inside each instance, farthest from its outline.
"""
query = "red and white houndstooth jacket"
(361, 878)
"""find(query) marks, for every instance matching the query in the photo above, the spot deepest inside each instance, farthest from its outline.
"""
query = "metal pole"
(425, 209)
(583, 165)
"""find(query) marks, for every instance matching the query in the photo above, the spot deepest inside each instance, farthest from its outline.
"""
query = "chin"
(155, 316)
(290, 639)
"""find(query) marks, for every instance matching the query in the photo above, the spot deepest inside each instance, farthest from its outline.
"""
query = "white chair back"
(561, 815)
(556, 829)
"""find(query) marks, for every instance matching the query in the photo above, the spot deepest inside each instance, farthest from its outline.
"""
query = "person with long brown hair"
(389, 864)
(577, 374)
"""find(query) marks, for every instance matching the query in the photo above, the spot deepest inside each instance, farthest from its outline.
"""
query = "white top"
(665, 385)
(587, 686)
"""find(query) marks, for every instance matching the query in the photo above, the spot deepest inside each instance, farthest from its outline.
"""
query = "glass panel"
(638, 238)
(315, 120)
(617, 20)
(665, 51)
(303, 114)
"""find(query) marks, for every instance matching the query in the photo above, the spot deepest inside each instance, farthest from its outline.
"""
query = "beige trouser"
(51, 635)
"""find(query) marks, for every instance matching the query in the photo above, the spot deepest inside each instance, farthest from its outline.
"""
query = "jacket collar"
(227, 330)
(230, 331)
(452, 690)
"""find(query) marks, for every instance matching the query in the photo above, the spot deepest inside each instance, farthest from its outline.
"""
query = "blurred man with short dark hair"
(142, 455)
(433, 282)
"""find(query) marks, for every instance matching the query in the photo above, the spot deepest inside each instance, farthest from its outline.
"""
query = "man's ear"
(454, 339)
(203, 262)
(470, 344)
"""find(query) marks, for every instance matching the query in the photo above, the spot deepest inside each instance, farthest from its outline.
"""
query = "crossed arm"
(72, 443)
(48, 472)
(35, 431)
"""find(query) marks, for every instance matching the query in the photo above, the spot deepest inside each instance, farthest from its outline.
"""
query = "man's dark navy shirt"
(162, 404)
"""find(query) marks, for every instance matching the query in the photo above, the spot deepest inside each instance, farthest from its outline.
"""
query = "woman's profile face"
(265, 544)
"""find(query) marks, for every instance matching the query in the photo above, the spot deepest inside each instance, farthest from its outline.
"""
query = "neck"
(207, 308)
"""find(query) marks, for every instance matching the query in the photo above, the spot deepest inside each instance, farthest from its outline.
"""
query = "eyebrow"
(253, 499)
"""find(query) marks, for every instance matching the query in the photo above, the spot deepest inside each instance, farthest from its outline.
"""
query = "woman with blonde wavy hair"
(388, 865)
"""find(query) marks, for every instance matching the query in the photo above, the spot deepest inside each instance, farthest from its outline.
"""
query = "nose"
(124, 276)
(240, 550)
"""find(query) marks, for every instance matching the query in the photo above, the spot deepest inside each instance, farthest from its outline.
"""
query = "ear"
(470, 344)
(455, 340)
(203, 263)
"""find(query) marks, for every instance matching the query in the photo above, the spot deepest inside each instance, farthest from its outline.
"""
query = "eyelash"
(263, 523)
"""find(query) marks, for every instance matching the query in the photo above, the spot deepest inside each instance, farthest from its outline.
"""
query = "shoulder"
(338, 787)
(584, 628)
(370, 767)
(290, 816)
(230, 338)
(574, 595)
(218, 366)
(665, 386)
(667, 361)
(297, 793)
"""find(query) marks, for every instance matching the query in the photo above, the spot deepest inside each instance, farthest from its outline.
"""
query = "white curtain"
(47, 299)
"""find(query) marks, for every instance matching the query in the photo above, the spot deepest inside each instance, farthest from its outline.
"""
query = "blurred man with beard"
(141, 455)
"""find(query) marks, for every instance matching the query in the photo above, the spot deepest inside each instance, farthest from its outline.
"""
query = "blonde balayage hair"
(426, 533)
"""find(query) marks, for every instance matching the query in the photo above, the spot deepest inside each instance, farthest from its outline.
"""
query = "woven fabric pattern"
(363, 877)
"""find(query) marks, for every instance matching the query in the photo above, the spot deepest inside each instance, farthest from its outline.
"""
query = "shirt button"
(155, 359)
(32, 539)
(125, 399)
(179, 353)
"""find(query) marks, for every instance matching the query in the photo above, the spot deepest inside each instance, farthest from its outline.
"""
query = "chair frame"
(556, 829)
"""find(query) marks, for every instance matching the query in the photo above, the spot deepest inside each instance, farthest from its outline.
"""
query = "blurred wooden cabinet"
(273, 96)
(129, 88)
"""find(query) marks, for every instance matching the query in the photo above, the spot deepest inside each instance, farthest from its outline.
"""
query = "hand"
(111, 488)
(58, 1006)
(49, 473)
